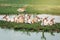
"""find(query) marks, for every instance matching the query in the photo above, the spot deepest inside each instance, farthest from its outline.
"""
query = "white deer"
(21, 19)
(51, 21)
(29, 19)
(15, 19)
(6, 18)
(36, 19)
(44, 21)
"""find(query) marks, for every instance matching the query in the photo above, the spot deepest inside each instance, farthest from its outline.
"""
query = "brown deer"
(51, 21)
(6, 17)
(22, 9)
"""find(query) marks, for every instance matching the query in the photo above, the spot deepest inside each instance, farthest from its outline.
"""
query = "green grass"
(23, 26)
(44, 2)
(34, 6)
(30, 10)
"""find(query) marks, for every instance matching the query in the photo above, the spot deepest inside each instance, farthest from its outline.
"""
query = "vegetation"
(44, 2)
(31, 27)
(33, 6)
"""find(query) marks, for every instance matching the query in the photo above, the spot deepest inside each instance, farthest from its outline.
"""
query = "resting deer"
(22, 9)
(44, 21)
(51, 21)
(6, 17)
(21, 19)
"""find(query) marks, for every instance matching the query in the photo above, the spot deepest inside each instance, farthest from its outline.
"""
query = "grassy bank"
(33, 6)
(13, 10)
(31, 27)
(40, 2)
(30, 10)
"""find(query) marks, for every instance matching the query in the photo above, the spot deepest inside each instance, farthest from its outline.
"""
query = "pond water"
(7, 34)
(57, 18)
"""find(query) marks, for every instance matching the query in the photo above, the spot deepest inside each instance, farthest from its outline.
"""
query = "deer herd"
(27, 18)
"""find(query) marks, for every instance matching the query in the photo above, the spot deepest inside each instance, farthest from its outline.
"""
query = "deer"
(51, 21)
(6, 18)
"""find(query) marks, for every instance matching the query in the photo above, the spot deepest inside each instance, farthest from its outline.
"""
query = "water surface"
(7, 34)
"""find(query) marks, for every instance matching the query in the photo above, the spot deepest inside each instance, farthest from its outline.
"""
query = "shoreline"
(31, 27)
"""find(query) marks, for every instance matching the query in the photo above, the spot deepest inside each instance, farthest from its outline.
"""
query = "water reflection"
(43, 37)
(52, 33)
(7, 34)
